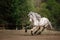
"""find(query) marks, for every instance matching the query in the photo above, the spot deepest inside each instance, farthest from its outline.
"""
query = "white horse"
(40, 23)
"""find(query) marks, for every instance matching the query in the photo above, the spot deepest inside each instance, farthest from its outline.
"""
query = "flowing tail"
(50, 26)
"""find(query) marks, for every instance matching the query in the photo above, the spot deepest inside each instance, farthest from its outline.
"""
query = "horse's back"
(43, 21)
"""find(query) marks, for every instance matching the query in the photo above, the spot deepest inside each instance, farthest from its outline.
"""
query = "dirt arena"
(21, 35)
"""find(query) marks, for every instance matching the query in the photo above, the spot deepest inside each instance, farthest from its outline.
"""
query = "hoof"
(25, 30)
(31, 33)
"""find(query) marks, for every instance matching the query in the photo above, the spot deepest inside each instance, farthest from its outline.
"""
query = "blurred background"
(14, 13)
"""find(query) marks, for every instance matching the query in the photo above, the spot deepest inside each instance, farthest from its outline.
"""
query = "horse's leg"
(25, 29)
(33, 30)
(36, 30)
(41, 30)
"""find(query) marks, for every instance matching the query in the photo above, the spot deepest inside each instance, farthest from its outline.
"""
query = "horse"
(39, 23)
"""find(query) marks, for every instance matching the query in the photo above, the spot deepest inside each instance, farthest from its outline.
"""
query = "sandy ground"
(21, 35)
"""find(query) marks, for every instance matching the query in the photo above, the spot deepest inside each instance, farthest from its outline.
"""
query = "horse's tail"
(51, 26)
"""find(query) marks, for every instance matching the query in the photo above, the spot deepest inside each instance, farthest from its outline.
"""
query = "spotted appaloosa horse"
(39, 23)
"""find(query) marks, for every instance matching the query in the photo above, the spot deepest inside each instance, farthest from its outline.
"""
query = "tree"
(54, 8)
(5, 11)
(51, 10)
(20, 10)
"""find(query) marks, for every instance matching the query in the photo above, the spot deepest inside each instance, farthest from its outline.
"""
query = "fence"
(10, 26)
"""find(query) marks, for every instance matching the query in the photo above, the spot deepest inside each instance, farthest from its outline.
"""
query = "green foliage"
(5, 11)
(20, 9)
(51, 10)
(43, 11)
(16, 11)
(54, 8)
(30, 4)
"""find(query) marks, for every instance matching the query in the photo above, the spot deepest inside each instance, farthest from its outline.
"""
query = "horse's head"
(33, 15)
(30, 15)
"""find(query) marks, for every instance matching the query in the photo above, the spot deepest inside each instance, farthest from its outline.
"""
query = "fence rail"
(10, 26)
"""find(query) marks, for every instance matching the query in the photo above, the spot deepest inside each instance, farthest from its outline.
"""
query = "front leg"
(25, 29)
(34, 30)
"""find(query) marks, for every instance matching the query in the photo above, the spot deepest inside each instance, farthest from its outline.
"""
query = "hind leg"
(41, 30)
(34, 30)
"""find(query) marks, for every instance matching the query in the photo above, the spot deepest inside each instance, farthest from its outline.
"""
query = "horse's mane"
(37, 16)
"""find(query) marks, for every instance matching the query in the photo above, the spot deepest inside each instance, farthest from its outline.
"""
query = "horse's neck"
(38, 18)
(35, 19)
